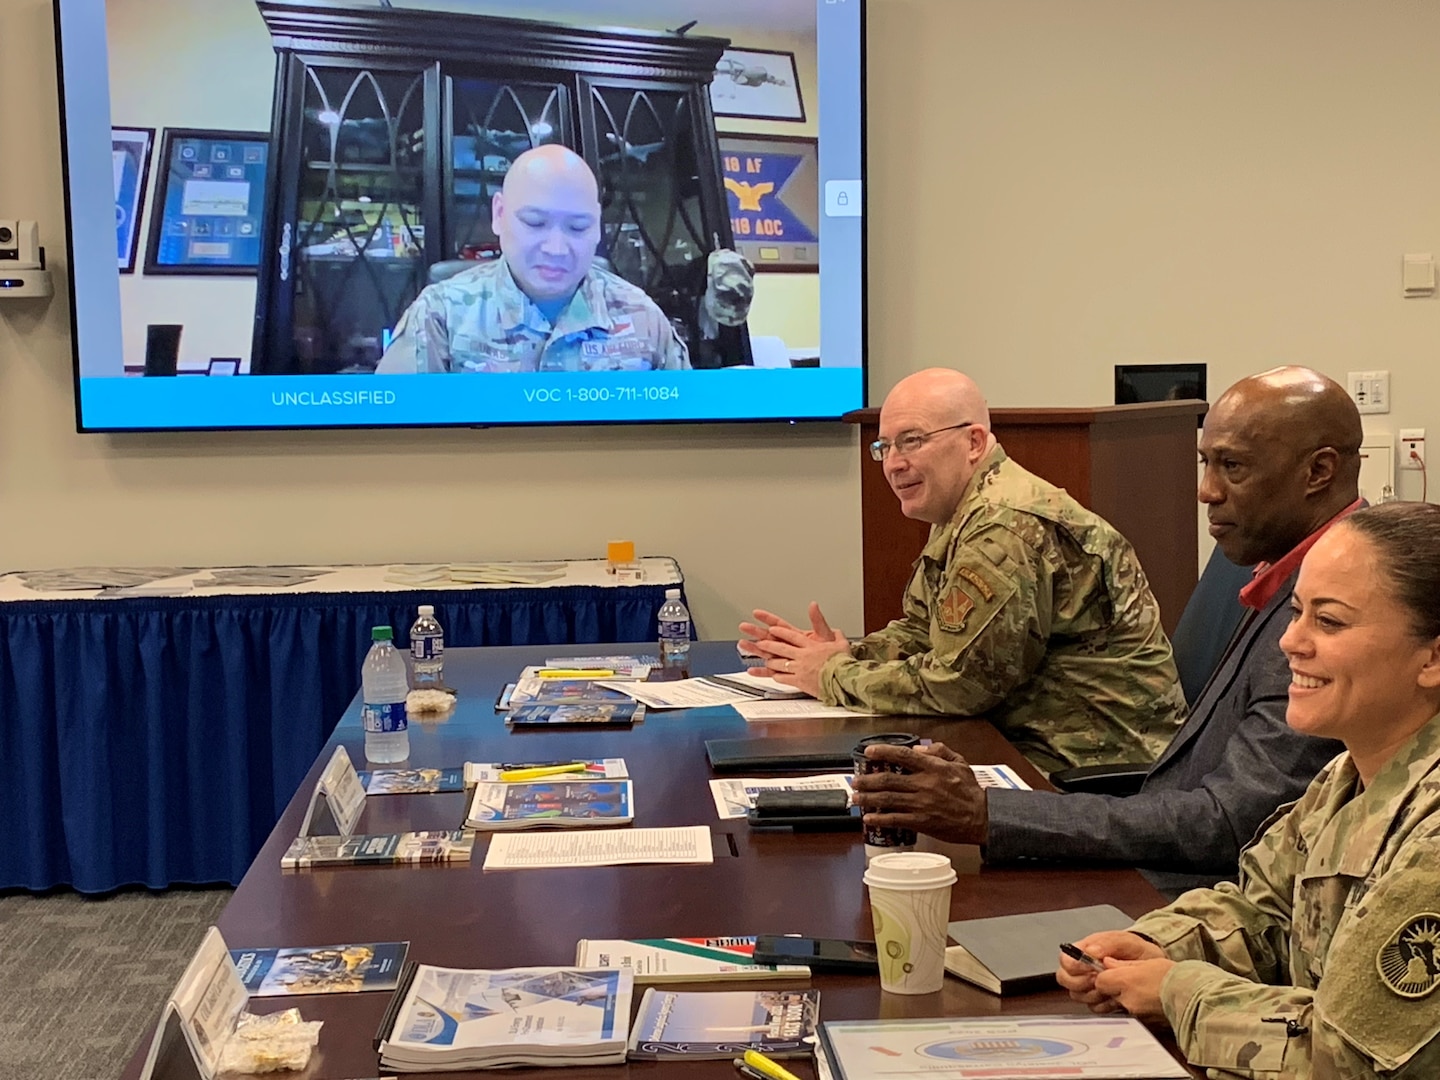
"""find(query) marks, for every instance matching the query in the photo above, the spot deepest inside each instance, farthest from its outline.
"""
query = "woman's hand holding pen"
(1117, 950)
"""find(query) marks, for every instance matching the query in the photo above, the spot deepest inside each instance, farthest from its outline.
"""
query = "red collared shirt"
(1270, 576)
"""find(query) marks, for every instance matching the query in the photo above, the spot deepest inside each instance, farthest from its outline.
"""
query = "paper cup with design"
(910, 904)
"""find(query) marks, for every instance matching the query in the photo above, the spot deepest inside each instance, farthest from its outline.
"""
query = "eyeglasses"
(911, 441)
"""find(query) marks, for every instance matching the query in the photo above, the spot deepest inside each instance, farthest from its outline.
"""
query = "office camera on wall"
(22, 260)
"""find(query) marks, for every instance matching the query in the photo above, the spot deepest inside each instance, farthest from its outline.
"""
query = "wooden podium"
(1134, 465)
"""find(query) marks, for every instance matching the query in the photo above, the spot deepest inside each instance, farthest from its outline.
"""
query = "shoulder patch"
(955, 607)
(980, 584)
(1409, 960)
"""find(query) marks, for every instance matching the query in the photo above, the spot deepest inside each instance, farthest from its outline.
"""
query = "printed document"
(602, 847)
(680, 694)
(1001, 1048)
(794, 709)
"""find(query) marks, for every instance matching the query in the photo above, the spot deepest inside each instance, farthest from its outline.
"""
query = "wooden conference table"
(762, 882)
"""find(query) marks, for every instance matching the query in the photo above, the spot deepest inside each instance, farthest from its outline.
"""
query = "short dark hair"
(1406, 536)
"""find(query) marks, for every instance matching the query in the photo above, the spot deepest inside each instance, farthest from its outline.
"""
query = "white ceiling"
(716, 16)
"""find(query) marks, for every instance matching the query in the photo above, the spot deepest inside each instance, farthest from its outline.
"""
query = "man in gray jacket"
(1281, 457)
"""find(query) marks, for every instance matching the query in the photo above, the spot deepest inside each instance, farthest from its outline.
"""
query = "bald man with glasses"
(1024, 606)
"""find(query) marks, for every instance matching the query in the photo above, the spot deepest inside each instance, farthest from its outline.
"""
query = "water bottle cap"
(427, 609)
(382, 633)
(672, 594)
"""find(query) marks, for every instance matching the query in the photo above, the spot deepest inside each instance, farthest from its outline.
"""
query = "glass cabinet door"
(358, 250)
(492, 122)
(658, 224)
(644, 149)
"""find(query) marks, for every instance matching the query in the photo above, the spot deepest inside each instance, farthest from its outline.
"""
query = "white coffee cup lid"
(910, 870)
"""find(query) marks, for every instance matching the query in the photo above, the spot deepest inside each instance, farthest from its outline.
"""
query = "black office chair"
(1209, 619)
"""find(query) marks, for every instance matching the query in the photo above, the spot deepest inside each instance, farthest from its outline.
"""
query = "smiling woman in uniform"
(1324, 960)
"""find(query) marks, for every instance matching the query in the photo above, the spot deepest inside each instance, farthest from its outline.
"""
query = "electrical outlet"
(1412, 447)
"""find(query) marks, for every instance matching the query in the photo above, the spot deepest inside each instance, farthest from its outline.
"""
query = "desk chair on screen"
(1210, 617)
(162, 348)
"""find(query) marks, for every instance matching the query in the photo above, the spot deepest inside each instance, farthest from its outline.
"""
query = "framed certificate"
(130, 155)
(210, 198)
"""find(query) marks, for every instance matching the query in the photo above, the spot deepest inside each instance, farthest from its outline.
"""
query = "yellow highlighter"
(512, 775)
(762, 1064)
(575, 673)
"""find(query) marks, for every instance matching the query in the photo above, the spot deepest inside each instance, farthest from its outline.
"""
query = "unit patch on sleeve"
(1409, 961)
(955, 608)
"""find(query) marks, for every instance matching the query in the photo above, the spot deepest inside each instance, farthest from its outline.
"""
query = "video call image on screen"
(586, 211)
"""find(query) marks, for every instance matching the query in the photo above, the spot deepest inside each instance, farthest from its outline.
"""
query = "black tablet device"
(768, 755)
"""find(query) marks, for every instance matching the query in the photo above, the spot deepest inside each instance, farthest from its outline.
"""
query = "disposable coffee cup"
(910, 906)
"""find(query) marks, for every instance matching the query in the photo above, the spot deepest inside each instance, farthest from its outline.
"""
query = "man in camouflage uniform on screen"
(543, 305)
(1024, 606)
(1357, 940)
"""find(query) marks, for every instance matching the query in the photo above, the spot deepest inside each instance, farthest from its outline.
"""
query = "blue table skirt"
(156, 741)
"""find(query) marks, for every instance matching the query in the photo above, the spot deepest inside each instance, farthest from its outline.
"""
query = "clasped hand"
(936, 795)
(1134, 970)
(790, 655)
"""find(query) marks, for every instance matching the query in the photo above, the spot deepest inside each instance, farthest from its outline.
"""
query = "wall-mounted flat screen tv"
(463, 212)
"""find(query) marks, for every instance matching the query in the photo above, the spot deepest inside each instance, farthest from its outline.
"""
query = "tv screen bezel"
(74, 314)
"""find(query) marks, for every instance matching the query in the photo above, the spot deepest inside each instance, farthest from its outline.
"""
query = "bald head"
(941, 392)
(1298, 408)
(949, 408)
(1282, 456)
(547, 217)
(547, 169)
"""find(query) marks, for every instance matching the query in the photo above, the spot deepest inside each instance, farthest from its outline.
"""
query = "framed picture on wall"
(130, 156)
(208, 202)
(757, 84)
(772, 183)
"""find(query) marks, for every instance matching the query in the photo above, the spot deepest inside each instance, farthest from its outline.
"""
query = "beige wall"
(1055, 187)
(159, 78)
(786, 306)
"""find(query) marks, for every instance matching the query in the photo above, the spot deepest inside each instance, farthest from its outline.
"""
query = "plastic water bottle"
(674, 631)
(383, 686)
(427, 650)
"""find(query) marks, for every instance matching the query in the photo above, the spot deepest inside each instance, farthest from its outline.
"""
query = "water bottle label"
(427, 648)
(385, 718)
(679, 628)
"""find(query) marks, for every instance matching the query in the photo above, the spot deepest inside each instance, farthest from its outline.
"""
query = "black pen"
(1077, 953)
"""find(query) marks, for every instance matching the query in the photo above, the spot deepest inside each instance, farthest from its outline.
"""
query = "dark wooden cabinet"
(393, 128)
(1134, 465)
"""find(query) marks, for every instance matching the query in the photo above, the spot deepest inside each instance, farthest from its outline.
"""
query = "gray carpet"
(81, 979)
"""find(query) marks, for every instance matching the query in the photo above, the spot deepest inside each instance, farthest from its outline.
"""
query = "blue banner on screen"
(758, 210)
(351, 200)
(371, 401)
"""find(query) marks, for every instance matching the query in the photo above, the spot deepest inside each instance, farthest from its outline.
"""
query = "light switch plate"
(1417, 274)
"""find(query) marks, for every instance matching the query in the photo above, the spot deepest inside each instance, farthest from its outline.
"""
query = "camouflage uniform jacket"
(1030, 609)
(479, 320)
(1324, 961)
